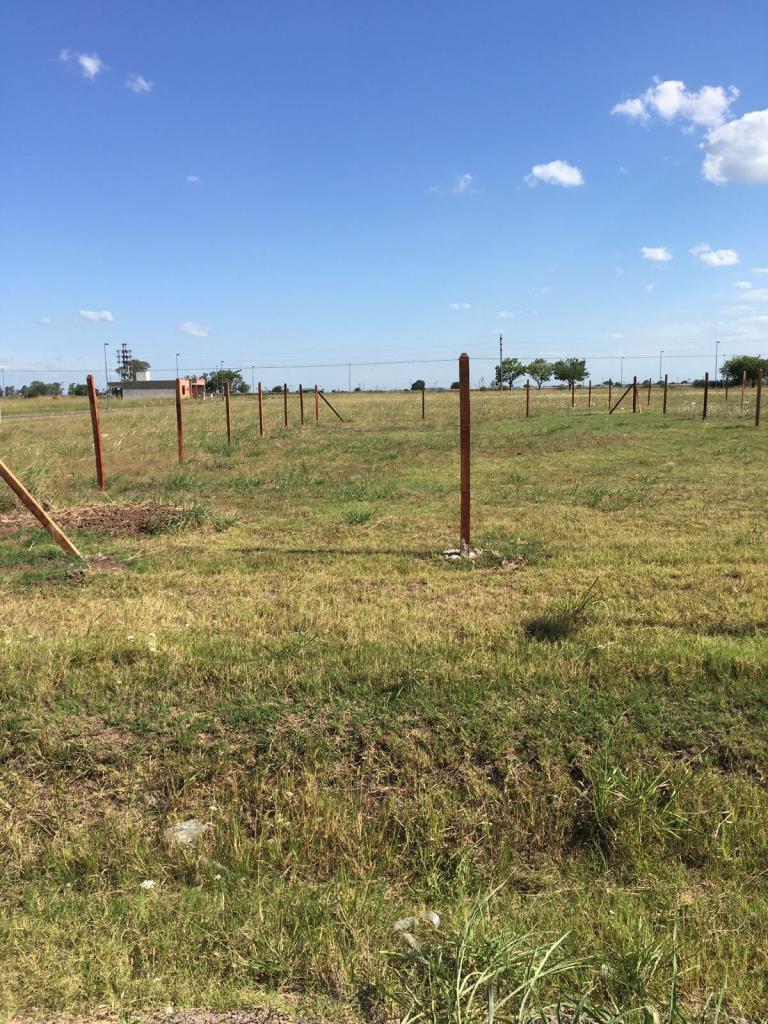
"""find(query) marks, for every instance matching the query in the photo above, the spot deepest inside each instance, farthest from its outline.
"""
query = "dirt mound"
(114, 520)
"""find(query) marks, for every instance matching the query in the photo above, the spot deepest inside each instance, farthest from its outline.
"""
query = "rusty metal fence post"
(261, 412)
(464, 441)
(706, 396)
(228, 410)
(179, 422)
(317, 405)
(743, 385)
(664, 402)
(301, 403)
(423, 403)
(610, 388)
(634, 394)
(285, 405)
(93, 402)
(573, 393)
(527, 399)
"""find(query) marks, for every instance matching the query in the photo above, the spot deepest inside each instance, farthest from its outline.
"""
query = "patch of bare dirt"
(169, 1016)
(114, 520)
(95, 565)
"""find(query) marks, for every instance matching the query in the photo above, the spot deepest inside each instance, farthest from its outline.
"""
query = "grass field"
(371, 731)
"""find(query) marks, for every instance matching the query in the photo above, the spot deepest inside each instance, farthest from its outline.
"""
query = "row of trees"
(568, 371)
(39, 389)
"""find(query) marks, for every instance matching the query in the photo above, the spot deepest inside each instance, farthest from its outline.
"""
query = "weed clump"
(563, 619)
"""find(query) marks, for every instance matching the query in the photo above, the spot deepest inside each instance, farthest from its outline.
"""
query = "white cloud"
(760, 270)
(738, 150)
(460, 305)
(45, 321)
(650, 287)
(90, 63)
(658, 254)
(196, 330)
(463, 184)
(556, 172)
(715, 257)
(97, 315)
(137, 83)
(509, 314)
(192, 179)
(707, 107)
(744, 285)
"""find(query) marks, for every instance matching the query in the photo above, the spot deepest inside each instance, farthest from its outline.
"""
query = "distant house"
(145, 387)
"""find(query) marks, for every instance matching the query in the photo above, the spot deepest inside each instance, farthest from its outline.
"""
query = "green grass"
(372, 731)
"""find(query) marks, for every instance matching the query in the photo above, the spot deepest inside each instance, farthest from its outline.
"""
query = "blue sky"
(303, 182)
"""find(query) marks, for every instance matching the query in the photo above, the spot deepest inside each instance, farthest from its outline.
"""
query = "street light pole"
(106, 370)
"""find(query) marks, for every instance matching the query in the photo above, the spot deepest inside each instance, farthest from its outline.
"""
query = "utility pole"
(621, 373)
(349, 377)
(661, 356)
(501, 359)
(177, 364)
(252, 382)
(106, 370)
(717, 352)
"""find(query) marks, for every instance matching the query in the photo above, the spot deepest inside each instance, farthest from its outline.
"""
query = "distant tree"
(38, 389)
(540, 370)
(571, 371)
(9, 391)
(77, 390)
(455, 386)
(132, 367)
(215, 382)
(755, 366)
(418, 385)
(509, 371)
(277, 389)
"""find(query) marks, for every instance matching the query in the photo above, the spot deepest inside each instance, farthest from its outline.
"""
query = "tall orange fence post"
(527, 399)
(179, 422)
(666, 385)
(464, 441)
(610, 387)
(634, 394)
(96, 426)
(301, 403)
(706, 396)
(317, 405)
(285, 405)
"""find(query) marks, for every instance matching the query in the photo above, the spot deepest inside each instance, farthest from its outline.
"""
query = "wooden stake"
(285, 405)
(317, 405)
(589, 394)
(96, 425)
(527, 399)
(743, 385)
(38, 511)
(464, 441)
(261, 412)
(423, 403)
(706, 396)
(610, 388)
(301, 403)
(666, 385)
(228, 410)
(179, 422)
(335, 413)
(573, 393)
(648, 399)
(634, 394)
